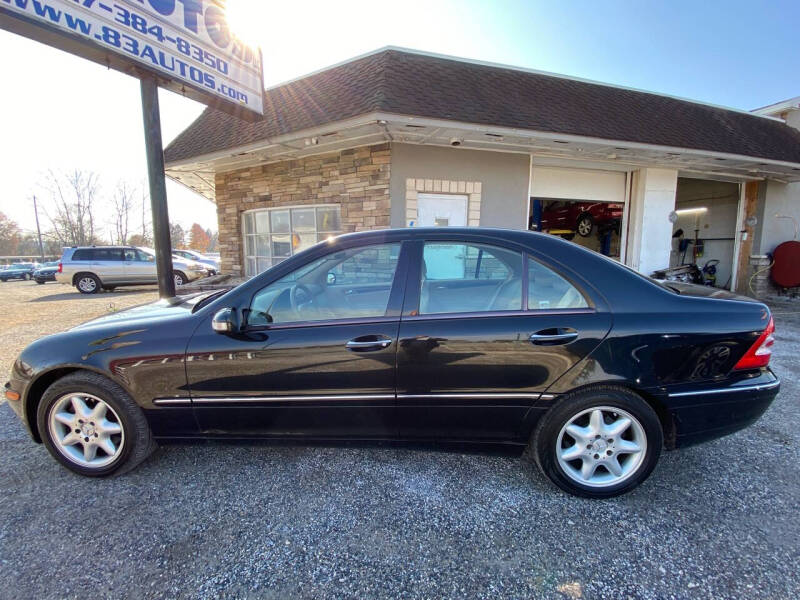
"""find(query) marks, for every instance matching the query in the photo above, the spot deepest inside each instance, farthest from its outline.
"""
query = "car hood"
(705, 291)
(143, 314)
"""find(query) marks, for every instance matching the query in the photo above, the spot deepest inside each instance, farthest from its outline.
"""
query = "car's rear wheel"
(598, 443)
(585, 225)
(87, 284)
(92, 427)
(179, 278)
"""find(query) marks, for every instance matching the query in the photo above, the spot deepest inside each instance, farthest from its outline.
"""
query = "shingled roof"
(413, 84)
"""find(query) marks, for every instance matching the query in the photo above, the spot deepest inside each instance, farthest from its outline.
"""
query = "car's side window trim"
(393, 306)
(500, 313)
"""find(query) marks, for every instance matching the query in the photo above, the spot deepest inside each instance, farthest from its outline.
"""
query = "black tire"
(138, 441)
(3, 279)
(585, 225)
(40, 282)
(179, 277)
(87, 283)
(545, 439)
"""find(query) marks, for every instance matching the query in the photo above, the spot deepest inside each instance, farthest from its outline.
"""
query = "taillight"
(760, 352)
(60, 267)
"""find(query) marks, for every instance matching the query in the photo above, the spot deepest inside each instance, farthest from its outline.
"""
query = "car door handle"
(368, 343)
(553, 336)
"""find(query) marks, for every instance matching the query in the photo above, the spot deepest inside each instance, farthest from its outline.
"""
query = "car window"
(348, 284)
(373, 265)
(459, 278)
(547, 289)
(83, 254)
(107, 254)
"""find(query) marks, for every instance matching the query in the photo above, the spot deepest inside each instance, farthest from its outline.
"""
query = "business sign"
(187, 43)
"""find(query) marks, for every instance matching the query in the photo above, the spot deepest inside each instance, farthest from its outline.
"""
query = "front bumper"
(713, 411)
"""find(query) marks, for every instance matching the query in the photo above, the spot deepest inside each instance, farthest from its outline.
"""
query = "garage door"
(578, 184)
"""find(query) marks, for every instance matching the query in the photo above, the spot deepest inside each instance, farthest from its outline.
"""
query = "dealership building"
(400, 138)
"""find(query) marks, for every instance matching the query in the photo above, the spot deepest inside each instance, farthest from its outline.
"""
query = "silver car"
(92, 268)
(211, 263)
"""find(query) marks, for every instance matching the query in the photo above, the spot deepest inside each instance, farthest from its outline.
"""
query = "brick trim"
(471, 189)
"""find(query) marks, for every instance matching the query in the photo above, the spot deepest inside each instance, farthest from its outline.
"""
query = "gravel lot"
(198, 521)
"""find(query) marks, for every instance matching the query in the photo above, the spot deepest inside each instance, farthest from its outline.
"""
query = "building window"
(273, 235)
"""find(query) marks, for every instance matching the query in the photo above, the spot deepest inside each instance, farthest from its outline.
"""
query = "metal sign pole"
(158, 186)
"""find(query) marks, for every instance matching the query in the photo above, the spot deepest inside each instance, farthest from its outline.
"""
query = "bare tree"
(122, 205)
(177, 235)
(71, 208)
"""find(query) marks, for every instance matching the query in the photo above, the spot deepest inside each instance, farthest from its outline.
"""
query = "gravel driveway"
(196, 521)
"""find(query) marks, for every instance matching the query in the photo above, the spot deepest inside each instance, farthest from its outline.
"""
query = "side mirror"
(226, 320)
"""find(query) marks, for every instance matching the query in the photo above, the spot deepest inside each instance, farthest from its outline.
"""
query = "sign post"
(151, 115)
(181, 45)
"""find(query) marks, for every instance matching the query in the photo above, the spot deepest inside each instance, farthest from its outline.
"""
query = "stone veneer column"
(356, 179)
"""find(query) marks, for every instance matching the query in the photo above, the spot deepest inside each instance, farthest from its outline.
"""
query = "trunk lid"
(705, 291)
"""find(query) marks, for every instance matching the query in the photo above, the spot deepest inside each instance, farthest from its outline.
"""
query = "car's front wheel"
(92, 427)
(598, 443)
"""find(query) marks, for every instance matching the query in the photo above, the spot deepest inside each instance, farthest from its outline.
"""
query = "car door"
(472, 364)
(140, 267)
(108, 264)
(316, 356)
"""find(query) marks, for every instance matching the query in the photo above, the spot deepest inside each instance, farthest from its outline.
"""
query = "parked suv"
(91, 268)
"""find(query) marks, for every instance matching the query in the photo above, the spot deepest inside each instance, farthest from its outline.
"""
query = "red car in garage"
(581, 217)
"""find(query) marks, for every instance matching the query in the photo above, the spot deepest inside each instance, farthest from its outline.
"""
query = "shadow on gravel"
(76, 295)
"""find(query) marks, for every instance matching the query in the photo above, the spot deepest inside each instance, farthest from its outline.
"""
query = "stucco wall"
(503, 178)
(778, 199)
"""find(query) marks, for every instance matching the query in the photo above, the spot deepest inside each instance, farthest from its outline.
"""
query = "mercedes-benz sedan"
(426, 335)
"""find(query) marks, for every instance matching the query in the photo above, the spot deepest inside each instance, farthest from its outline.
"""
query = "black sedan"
(425, 335)
(46, 272)
(18, 271)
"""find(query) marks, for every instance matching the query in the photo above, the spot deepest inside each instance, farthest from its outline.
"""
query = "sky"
(60, 112)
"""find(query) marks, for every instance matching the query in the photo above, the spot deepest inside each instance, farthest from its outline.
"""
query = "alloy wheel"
(86, 430)
(601, 446)
(178, 279)
(584, 227)
(87, 284)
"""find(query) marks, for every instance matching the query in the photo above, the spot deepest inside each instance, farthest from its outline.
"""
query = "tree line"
(76, 210)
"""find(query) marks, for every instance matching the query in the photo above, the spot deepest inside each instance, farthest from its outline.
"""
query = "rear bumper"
(715, 411)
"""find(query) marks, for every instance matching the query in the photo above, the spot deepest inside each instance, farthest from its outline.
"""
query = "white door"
(441, 210)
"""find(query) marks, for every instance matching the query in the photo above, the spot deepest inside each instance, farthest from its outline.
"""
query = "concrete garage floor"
(714, 521)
